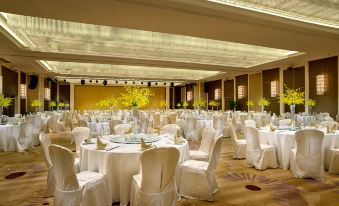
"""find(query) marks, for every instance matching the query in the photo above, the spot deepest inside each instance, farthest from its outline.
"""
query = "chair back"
(191, 123)
(173, 117)
(79, 135)
(26, 130)
(285, 122)
(172, 129)
(309, 142)
(122, 128)
(233, 134)
(215, 154)
(45, 142)
(250, 123)
(325, 124)
(82, 123)
(158, 168)
(207, 140)
(217, 121)
(156, 120)
(252, 138)
(113, 123)
(63, 164)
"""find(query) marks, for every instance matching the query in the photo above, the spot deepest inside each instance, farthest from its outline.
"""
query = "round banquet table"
(284, 140)
(9, 138)
(121, 164)
(99, 127)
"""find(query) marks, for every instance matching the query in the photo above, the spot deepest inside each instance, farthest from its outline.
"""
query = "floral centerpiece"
(185, 104)
(4, 103)
(292, 97)
(179, 105)
(250, 104)
(36, 104)
(164, 104)
(199, 103)
(61, 105)
(310, 103)
(263, 103)
(66, 106)
(213, 104)
(52, 104)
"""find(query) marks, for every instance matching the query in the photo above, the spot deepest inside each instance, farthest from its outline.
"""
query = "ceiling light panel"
(47, 35)
(125, 71)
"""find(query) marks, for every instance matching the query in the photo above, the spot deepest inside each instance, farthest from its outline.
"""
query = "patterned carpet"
(23, 179)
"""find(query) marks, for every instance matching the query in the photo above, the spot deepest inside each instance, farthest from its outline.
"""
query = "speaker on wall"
(33, 82)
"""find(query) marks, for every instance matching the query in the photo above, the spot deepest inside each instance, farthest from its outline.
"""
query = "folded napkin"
(272, 128)
(145, 146)
(100, 144)
(129, 131)
(177, 138)
(332, 129)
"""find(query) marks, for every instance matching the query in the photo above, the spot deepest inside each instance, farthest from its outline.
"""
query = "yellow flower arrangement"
(5, 101)
(66, 105)
(61, 104)
(163, 104)
(310, 102)
(36, 103)
(212, 103)
(179, 104)
(293, 96)
(250, 103)
(136, 96)
(52, 104)
(199, 102)
(263, 102)
(185, 104)
(112, 102)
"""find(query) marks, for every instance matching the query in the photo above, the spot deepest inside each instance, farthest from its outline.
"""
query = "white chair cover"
(239, 145)
(79, 135)
(38, 126)
(197, 179)
(307, 159)
(191, 130)
(25, 136)
(82, 123)
(45, 143)
(156, 120)
(325, 124)
(171, 129)
(122, 128)
(261, 156)
(83, 189)
(285, 122)
(205, 146)
(113, 123)
(156, 185)
(250, 123)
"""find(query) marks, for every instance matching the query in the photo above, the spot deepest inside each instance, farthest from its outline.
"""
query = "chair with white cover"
(53, 126)
(45, 142)
(173, 117)
(156, 120)
(171, 129)
(307, 159)
(86, 188)
(82, 123)
(25, 135)
(156, 185)
(261, 156)
(285, 122)
(217, 123)
(334, 161)
(80, 134)
(122, 129)
(113, 123)
(325, 124)
(197, 180)
(250, 123)
(191, 129)
(37, 129)
(205, 146)
(239, 145)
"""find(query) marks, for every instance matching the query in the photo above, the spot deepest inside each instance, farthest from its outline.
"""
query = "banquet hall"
(169, 102)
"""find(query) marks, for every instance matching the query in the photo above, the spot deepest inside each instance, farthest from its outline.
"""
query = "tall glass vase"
(262, 109)
(292, 107)
(310, 110)
(135, 119)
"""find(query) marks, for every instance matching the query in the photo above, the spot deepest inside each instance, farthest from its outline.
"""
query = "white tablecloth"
(285, 141)
(9, 138)
(120, 164)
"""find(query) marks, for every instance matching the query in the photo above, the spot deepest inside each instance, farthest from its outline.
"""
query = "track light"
(125, 82)
(172, 84)
(64, 80)
(142, 82)
(156, 83)
(149, 84)
(165, 83)
(116, 82)
(82, 82)
(133, 82)
(105, 82)
(96, 81)
(90, 81)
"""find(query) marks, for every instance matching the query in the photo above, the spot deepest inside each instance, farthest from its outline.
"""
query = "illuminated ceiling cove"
(124, 71)
(319, 12)
(47, 35)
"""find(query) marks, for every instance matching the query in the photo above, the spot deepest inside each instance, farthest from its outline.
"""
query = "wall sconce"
(189, 96)
(274, 88)
(23, 91)
(217, 94)
(321, 84)
(47, 94)
(241, 92)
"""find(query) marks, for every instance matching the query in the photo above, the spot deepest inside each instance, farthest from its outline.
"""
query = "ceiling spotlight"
(125, 82)
(133, 82)
(116, 82)
(156, 83)
(105, 82)
(165, 83)
(96, 81)
(82, 82)
(149, 84)
(172, 84)
(64, 80)
(142, 82)
(90, 81)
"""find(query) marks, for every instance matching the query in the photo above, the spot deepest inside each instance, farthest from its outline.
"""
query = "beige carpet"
(23, 179)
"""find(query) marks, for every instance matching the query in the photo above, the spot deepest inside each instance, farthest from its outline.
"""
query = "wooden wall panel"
(255, 90)
(9, 89)
(228, 92)
(210, 87)
(54, 93)
(295, 78)
(85, 97)
(268, 76)
(329, 101)
(242, 80)
(64, 93)
(177, 95)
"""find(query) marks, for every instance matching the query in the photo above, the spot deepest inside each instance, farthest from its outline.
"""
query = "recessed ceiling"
(319, 12)
(124, 71)
(47, 35)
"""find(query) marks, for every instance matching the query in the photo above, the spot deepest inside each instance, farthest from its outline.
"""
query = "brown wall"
(329, 101)
(85, 97)
(210, 87)
(255, 90)
(228, 92)
(9, 88)
(294, 78)
(242, 80)
(268, 76)
(64, 93)
(177, 95)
